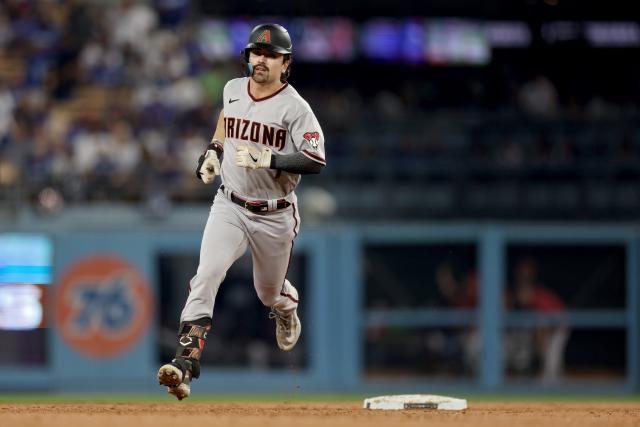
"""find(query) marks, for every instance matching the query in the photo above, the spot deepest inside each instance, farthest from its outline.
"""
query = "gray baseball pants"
(229, 231)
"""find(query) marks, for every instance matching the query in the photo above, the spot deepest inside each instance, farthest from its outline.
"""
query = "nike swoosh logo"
(252, 158)
(231, 101)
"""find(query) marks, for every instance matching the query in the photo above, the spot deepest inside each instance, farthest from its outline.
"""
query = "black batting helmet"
(273, 37)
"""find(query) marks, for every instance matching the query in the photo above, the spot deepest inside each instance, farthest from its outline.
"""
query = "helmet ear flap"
(248, 68)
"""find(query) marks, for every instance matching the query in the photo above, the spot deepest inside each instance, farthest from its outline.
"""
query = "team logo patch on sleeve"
(312, 137)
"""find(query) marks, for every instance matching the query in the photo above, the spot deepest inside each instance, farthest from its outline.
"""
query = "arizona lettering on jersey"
(260, 133)
(283, 122)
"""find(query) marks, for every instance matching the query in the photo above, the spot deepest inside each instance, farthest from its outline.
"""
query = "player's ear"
(286, 61)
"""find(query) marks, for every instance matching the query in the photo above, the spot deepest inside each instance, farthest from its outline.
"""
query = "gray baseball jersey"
(283, 122)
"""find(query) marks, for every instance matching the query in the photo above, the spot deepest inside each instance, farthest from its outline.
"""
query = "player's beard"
(261, 76)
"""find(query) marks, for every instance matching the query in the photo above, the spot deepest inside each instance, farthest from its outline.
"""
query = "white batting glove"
(209, 162)
(208, 166)
(253, 158)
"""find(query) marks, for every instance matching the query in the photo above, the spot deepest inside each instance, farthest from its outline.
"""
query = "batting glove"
(209, 163)
(253, 158)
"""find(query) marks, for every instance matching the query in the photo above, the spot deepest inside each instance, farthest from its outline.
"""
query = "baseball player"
(266, 137)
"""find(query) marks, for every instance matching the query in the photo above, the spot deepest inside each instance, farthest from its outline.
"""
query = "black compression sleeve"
(295, 163)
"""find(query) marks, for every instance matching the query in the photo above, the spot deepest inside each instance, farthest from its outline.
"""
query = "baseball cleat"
(288, 329)
(181, 392)
(170, 375)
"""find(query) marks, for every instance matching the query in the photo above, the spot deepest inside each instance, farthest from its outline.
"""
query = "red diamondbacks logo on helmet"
(265, 37)
(312, 137)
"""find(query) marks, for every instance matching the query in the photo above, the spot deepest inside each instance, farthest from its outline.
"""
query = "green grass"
(162, 397)
(553, 397)
(288, 398)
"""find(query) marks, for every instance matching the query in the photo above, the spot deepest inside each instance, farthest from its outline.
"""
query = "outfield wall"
(105, 310)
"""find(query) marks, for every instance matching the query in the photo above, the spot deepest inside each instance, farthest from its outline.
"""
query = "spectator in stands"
(461, 295)
(599, 108)
(172, 13)
(9, 163)
(542, 344)
(5, 29)
(131, 22)
(102, 63)
(7, 105)
(125, 154)
(510, 153)
(539, 97)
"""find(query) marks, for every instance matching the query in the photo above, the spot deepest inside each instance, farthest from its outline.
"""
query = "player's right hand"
(209, 164)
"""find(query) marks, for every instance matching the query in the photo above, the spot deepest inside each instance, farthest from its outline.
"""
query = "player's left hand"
(253, 158)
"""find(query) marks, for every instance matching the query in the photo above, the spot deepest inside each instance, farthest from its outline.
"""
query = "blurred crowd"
(103, 100)
(115, 101)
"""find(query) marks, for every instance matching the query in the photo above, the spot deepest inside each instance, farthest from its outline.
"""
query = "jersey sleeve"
(308, 137)
(224, 90)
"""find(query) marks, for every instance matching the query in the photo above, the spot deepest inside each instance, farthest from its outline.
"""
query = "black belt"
(255, 205)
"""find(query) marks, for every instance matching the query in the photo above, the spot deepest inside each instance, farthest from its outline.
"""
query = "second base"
(415, 401)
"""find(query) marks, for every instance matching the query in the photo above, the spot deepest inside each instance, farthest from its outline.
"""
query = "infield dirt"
(313, 414)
